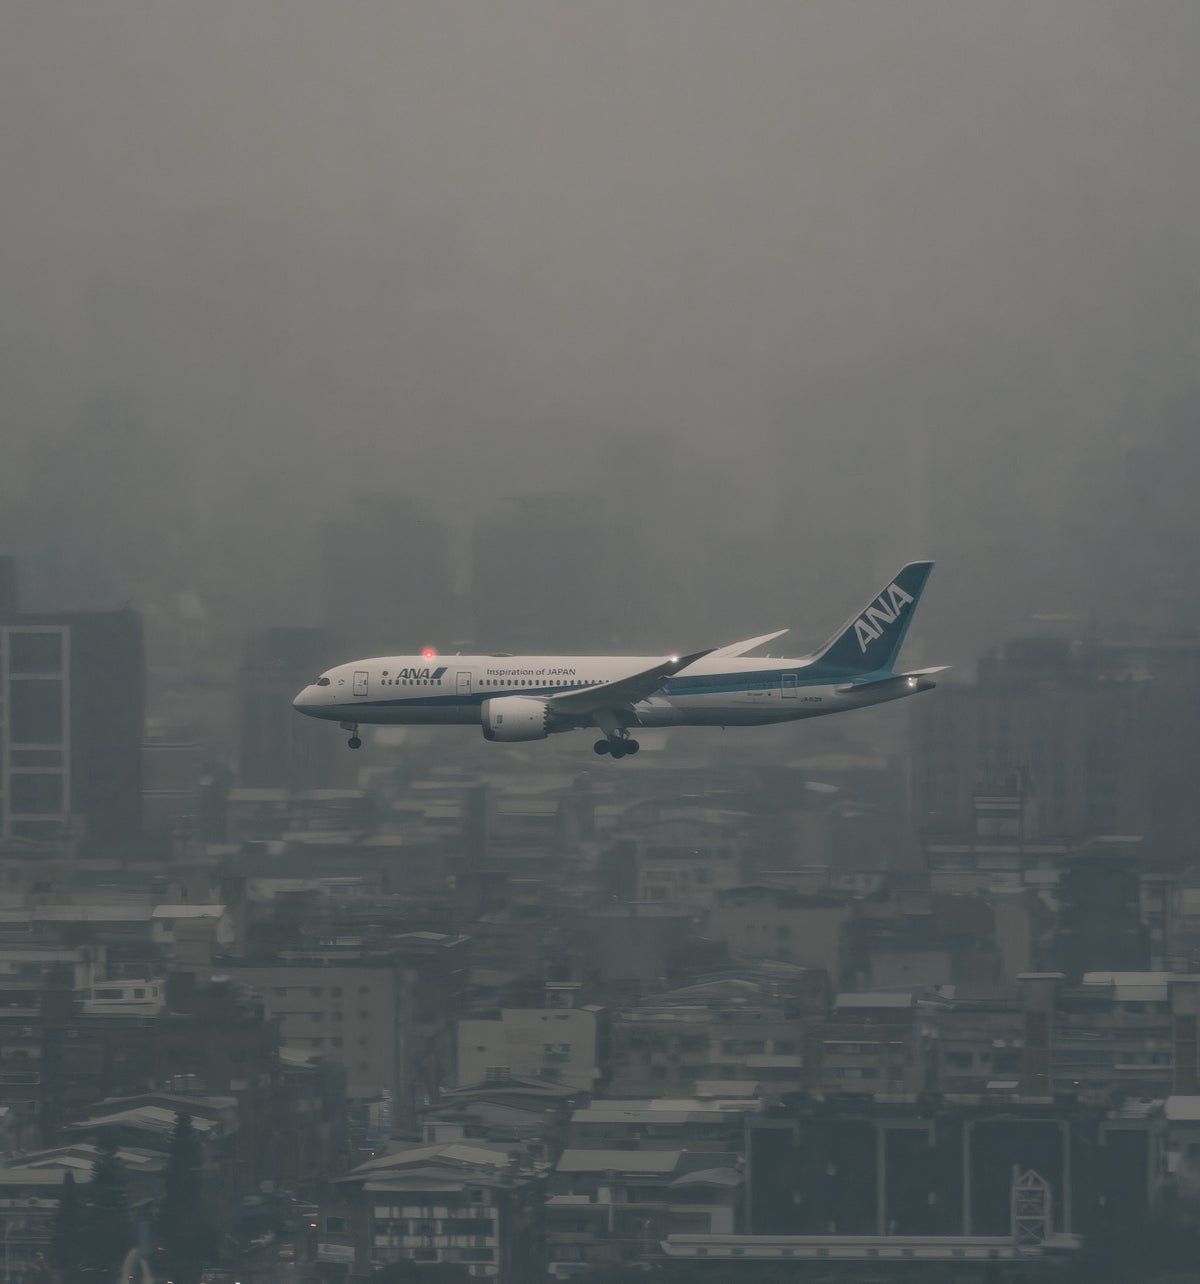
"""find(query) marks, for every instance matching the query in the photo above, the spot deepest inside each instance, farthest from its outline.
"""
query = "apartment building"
(466, 1204)
(72, 698)
(562, 1044)
(384, 1015)
(610, 1206)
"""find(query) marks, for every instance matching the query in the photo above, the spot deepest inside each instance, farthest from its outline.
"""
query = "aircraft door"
(360, 682)
(788, 686)
(464, 683)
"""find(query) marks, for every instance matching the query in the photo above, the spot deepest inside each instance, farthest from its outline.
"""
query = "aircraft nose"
(303, 700)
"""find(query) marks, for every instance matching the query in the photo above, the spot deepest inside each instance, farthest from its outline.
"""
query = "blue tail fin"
(871, 641)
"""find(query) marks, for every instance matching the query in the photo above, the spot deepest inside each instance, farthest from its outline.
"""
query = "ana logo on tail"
(883, 611)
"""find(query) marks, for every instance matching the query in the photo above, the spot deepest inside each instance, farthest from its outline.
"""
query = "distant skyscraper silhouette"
(72, 699)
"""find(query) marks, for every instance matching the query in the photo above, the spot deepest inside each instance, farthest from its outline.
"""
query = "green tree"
(181, 1228)
(108, 1234)
(69, 1229)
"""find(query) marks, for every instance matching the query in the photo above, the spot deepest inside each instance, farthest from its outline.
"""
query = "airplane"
(529, 697)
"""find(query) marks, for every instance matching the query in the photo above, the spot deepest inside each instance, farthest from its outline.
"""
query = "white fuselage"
(713, 692)
(529, 697)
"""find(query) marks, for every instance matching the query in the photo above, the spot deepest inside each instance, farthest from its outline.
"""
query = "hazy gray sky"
(913, 276)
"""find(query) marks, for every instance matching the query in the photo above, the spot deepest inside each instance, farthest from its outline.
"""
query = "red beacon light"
(430, 653)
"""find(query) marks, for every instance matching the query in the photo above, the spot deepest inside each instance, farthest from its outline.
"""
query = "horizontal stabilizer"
(917, 679)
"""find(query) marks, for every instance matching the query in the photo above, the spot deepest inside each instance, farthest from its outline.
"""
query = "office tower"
(72, 698)
(277, 748)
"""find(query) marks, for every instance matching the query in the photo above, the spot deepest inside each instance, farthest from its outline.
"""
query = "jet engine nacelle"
(514, 718)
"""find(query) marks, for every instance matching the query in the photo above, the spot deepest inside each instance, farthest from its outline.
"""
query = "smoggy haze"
(888, 279)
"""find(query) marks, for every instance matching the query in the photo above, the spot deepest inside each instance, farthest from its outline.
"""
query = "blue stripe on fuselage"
(760, 680)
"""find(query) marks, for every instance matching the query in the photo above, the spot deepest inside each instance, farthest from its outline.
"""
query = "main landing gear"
(618, 746)
(352, 727)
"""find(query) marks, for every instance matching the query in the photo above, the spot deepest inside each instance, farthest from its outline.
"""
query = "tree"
(108, 1231)
(181, 1228)
(69, 1229)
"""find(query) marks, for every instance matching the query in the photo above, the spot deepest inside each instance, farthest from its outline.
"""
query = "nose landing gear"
(352, 727)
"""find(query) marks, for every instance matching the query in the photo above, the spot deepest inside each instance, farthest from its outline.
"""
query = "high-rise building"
(72, 697)
(1053, 724)
(277, 749)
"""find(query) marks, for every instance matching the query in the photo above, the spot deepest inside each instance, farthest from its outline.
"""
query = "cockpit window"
(322, 682)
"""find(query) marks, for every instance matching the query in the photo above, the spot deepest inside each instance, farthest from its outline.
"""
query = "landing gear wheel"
(600, 747)
(618, 749)
(354, 742)
(632, 746)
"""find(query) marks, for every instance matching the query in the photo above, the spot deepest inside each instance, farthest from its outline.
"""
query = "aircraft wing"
(740, 648)
(623, 691)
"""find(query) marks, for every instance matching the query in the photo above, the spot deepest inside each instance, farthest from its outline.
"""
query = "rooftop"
(467, 1154)
(875, 999)
(619, 1161)
(663, 1111)
(155, 1119)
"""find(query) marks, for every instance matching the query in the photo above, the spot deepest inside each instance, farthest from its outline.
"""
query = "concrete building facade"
(564, 1045)
(72, 707)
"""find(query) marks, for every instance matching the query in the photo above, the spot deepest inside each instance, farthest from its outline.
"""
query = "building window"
(34, 793)
(31, 652)
(37, 758)
(35, 711)
(468, 1226)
